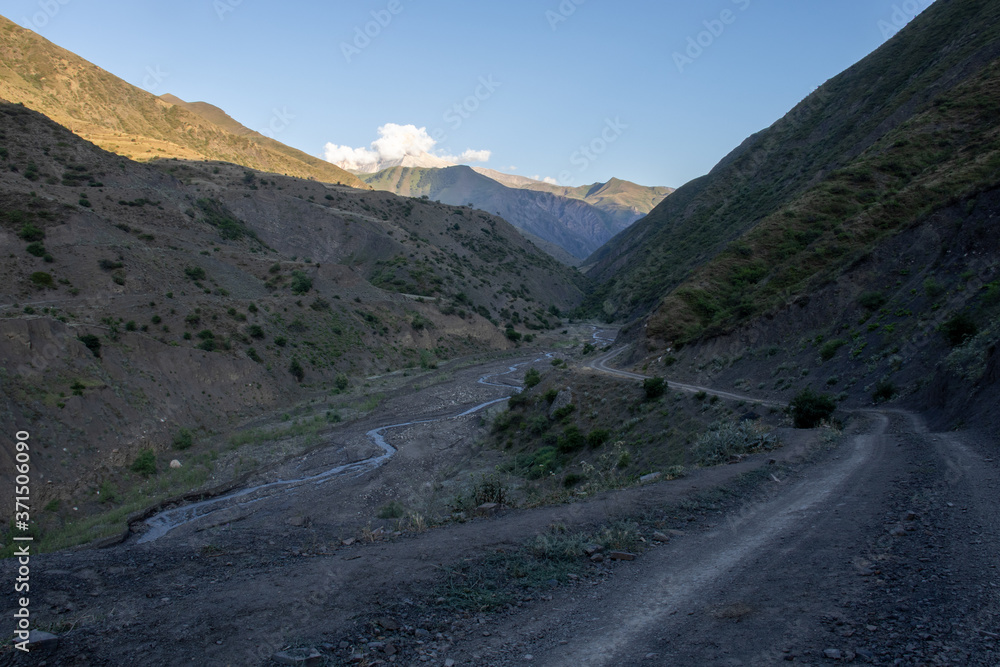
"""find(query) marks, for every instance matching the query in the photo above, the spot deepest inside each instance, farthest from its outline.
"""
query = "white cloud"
(550, 180)
(469, 156)
(394, 143)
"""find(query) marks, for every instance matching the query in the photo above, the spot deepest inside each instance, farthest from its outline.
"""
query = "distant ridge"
(127, 120)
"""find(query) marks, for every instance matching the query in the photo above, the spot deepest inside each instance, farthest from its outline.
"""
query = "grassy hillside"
(574, 225)
(840, 155)
(140, 300)
(123, 119)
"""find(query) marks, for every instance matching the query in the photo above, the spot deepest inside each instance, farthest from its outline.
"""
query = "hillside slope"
(851, 248)
(123, 119)
(139, 299)
(948, 45)
(572, 224)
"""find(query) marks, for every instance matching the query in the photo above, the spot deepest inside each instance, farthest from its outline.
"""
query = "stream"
(167, 520)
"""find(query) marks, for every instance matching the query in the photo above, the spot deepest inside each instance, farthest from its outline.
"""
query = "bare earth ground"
(881, 548)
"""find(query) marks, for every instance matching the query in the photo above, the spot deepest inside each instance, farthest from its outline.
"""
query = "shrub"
(36, 249)
(724, 440)
(512, 335)
(253, 356)
(195, 273)
(255, 331)
(392, 510)
(810, 408)
(572, 440)
(31, 233)
(829, 349)
(321, 304)
(564, 412)
(531, 378)
(208, 345)
(301, 283)
(145, 463)
(295, 368)
(588, 348)
(884, 391)
(550, 395)
(597, 437)
(280, 341)
(92, 342)
(206, 334)
(959, 328)
(872, 300)
(131, 325)
(42, 279)
(108, 265)
(341, 382)
(184, 439)
(654, 387)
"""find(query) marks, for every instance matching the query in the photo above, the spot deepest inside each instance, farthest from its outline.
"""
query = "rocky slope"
(139, 300)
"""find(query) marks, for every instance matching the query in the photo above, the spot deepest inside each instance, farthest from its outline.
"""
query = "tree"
(532, 378)
(655, 387)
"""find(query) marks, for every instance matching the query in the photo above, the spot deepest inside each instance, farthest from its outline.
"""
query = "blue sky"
(573, 90)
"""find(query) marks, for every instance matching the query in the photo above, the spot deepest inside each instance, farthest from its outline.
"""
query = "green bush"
(255, 331)
(301, 283)
(42, 279)
(295, 368)
(184, 439)
(36, 249)
(872, 300)
(512, 335)
(92, 342)
(341, 382)
(572, 440)
(654, 387)
(145, 463)
(31, 233)
(392, 510)
(195, 273)
(724, 440)
(597, 437)
(531, 378)
(829, 349)
(959, 328)
(253, 356)
(564, 412)
(884, 391)
(280, 341)
(810, 408)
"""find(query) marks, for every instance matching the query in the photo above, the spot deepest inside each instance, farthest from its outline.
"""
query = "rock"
(420, 632)
(297, 521)
(39, 640)
(911, 516)
(675, 533)
(749, 416)
(592, 549)
(387, 623)
(390, 649)
(175, 464)
(833, 654)
(621, 555)
(563, 398)
(449, 663)
(487, 509)
(652, 656)
(597, 558)
(298, 656)
(348, 542)
(897, 531)
(660, 537)
(651, 477)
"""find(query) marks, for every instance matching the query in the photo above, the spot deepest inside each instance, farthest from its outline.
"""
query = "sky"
(573, 91)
